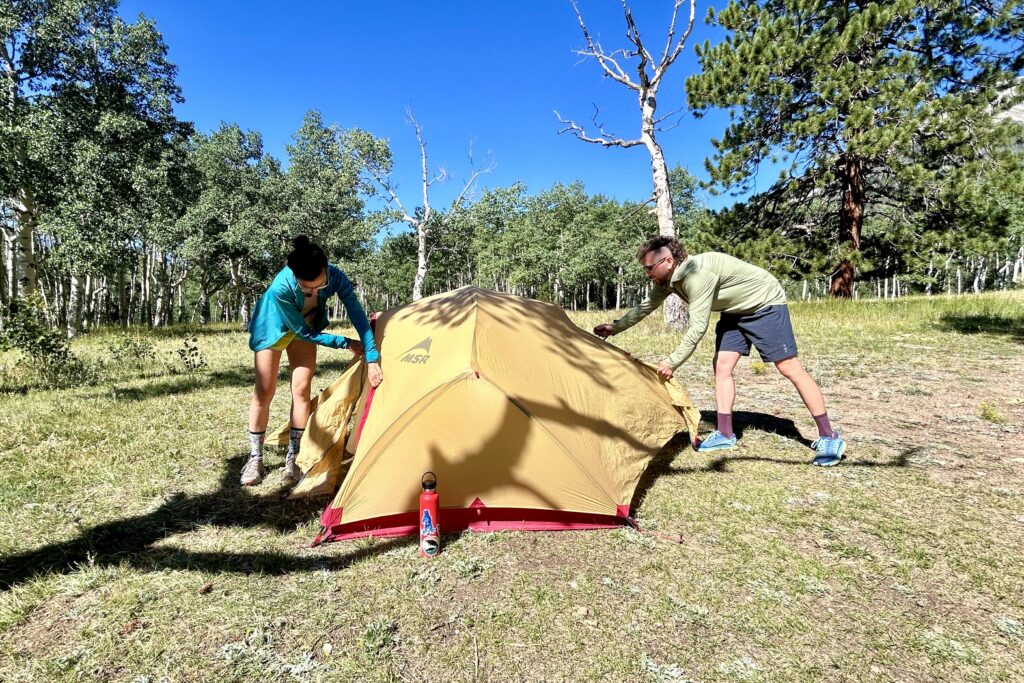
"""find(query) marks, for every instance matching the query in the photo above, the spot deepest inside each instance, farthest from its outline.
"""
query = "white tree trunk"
(675, 312)
(23, 204)
(618, 290)
(421, 256)
(25, 272)
(182, 309)
(74, 309)
(10, 258)
(87, 295)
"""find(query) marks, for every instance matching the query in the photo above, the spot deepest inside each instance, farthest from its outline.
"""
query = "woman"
(291, 317)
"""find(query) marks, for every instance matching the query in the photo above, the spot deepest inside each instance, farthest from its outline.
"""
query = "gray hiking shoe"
(292, 473)
(252, 473)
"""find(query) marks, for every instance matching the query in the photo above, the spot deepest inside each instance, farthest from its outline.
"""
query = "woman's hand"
(376, 375)
(355, 346)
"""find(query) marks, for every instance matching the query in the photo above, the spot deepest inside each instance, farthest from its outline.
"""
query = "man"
(753, 311)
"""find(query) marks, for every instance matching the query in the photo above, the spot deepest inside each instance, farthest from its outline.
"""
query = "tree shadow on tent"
(131, 540)
(519, 316)
(510, 437)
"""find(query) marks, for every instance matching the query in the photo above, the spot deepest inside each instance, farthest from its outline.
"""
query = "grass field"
(128, 552)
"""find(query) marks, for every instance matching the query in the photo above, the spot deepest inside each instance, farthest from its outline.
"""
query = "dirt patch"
(49, 625)
(964, 425)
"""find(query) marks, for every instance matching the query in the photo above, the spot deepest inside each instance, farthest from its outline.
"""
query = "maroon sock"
(725, 425)
(824, 426)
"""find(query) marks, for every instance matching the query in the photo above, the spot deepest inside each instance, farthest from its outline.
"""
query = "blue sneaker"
(717, 441)
(829, 450)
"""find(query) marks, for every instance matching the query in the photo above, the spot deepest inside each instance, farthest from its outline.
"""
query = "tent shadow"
(131, 540)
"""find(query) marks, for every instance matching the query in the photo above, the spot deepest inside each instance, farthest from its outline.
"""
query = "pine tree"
(860, 104)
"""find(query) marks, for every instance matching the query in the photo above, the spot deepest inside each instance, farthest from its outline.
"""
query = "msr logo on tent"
(419, 354)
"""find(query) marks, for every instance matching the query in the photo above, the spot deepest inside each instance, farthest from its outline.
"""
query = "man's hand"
(604, 330)
(355, 346)
(665, 371)
(376, 375)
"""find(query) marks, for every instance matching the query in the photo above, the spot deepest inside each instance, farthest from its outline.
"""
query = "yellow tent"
(528, 422)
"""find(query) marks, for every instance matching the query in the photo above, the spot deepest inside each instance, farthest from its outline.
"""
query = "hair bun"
(301, 243)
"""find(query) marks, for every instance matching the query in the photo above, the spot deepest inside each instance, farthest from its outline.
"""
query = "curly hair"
(674, 246)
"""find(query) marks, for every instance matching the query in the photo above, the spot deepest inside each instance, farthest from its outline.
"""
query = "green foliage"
(554, 245)
(989, 413)
(132, 350)
(25, 328)
(905, 91)
(324, 185)
(87, 114)
(379, 637)
(46, 351)
(190, 355)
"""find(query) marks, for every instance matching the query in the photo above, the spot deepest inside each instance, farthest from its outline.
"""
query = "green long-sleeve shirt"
(709, 282)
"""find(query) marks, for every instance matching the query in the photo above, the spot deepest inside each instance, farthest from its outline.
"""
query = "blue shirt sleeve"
(292, 317)
(347, 294)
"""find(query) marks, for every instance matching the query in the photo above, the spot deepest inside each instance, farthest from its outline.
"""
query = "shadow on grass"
(984, 324)
(183, 330)
(131, 540)
(173, 385)
(661, 464)
(763, 422)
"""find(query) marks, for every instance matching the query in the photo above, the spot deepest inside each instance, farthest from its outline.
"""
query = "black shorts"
(769, 329)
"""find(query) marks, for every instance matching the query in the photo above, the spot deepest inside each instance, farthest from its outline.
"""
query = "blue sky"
(480, 72)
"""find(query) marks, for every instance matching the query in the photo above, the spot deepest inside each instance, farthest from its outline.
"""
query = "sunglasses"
(314, 289)
(650, 269)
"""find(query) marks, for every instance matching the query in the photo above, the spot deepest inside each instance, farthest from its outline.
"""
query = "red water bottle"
(430, 532)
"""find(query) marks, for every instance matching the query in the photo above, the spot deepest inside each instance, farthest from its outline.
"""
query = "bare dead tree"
(420, 220)
(645, 84)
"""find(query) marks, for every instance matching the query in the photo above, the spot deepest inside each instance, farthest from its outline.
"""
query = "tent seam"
(433, 395)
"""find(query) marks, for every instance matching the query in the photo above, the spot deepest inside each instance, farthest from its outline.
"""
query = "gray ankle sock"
(256, 444)
(294, 437)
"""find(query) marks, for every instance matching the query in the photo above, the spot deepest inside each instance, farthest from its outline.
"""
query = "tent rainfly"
(529, 422)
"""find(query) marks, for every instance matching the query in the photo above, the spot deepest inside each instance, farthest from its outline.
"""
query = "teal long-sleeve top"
(279, 311)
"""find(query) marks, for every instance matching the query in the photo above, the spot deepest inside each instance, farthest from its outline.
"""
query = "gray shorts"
(769, 329)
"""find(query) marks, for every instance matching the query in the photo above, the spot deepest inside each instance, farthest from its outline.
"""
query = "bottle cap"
(429, 481)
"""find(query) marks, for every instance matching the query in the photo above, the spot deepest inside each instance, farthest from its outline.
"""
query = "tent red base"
(477, 517)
